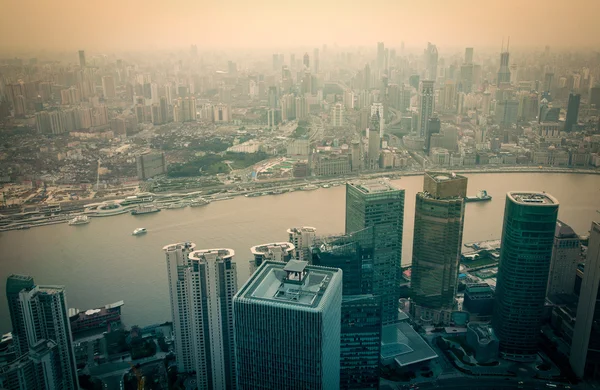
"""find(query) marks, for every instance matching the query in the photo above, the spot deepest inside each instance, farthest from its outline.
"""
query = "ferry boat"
(481, 196)
(309, 187)
(199, 202)
(145, 210)
(253, 195)
(80, 220)
(139, 231)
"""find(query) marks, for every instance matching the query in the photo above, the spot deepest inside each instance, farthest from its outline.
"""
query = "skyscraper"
(108, 87)
(337, 115)
(202, 285)
(39, 315)
(469, 55)
(566, 255)
(572, 111)
(504, 71)
(377, 108)
(431, 60)
(526, 252)
(306, 61)
(380, 56)
(584, 357)
(37, 369)
(287, 327)
(276, 251)
(379, 205)
(82, 58)
(426, 99)
(302, 238)
(374, 142)
(437, 242)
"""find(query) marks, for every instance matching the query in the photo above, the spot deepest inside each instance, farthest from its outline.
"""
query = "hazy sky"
(142, 24)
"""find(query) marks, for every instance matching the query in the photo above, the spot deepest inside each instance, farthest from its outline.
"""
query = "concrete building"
(439, 213)
(287, 327)
(108, 87)
(426, 101)
(332, 164)
(337, 115)
(572, 111)
(202, 285)
(504, 71)
(150, 165)
(585, 358)
(302, 238)
(37, 369)
(276, 251)
(379, 205)
(39, 315)
(527, 237)
(481, 337)
(479, 301)
(566, 255)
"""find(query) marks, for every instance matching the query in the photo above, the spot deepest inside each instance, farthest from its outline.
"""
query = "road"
(472, 383)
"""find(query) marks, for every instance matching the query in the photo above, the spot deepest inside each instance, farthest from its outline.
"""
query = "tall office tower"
(448, 96)
(433, 127)
(301, 108)
(469, 55)
(566, 255)
(380, 56)
(355, 151)
(466, 78)
(504, 71)
(108, 87)
(82, 58)
(20, 106)
(374, 142)
(367, 77)
(572, 111)
(437, 242)
(154, 93)
(377, 113)
(337, 115)
(548, 78)
(306, 61)
(426, 99)
(202, 285)
(584, 357)
(302, 238)
(431, 61)
(316, 60)
(527, 237)
(276, 251)
(379, 205)
(164, 109)
(273, 97)
(38, 315)
(507, 112)
(287, 327)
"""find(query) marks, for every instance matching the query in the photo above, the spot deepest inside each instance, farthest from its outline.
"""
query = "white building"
(302, 238)
(202, 285)
(337, 115)
(276, 251)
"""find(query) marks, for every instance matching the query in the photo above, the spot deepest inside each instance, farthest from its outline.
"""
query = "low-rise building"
(481, 337)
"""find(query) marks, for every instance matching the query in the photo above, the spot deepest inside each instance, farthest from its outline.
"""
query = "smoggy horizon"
(65, 25)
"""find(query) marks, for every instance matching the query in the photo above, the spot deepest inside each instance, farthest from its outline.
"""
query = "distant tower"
(316, 60)
(566, 255)
(306, 61)
(427, 96)
(380, 56)
(202, 285)
(374, 141)
(39, 316)
(469, 55)
(82, 58)
(302, 238)
(504, 71)
(287, 327)
(527, 237)
(572, 111)
(584, 356)
(276, 251)
(377, 108)
(431, 59)
(439, 211)
(108, 87)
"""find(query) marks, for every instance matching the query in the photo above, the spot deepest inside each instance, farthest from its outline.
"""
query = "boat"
(326, 186)
(145, 210)
(199, 202)
(481, 196)
(24, 227)
(253, 195)
(309, 187)
(139, 231)
(80, 220)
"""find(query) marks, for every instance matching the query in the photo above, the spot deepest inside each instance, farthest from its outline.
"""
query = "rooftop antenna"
(508, 44)
(502, 47)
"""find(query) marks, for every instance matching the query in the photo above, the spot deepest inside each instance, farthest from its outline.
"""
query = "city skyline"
(133, 25)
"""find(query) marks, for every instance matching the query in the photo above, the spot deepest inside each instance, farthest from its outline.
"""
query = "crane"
(138, 375)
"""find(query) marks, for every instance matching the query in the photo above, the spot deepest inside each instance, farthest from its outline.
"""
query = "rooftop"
(302, 229)
(180, 245)
(564, 231)
(219, 252)
(265, 248)
(441, 177)
(374, 186)
(294, 283)
(533, 198)
(400, 342)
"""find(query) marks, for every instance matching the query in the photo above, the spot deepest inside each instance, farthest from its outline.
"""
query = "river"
(102, 262)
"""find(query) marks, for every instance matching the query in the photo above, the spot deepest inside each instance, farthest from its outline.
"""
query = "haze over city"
(240, 24)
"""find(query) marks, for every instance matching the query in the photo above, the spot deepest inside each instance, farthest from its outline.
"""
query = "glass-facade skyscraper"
(379, 205)
(287, 327)
(525, 255)
(437, 241)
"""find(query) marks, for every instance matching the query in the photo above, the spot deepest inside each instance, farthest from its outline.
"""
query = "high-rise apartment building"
(276, 251)
(303, 239)
(585, 355)
(566, 255)
(337, 115)
(82, 58)
(379, 205)
(526, 252)
(572, 111)
(469, 55)
(437, 242)
(39, 316)
(202, 285)
(287, 327)
(37, 369)
(108, 87)
(426, 100)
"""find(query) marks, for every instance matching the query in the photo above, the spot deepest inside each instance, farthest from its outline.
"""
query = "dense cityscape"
(331, 216)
